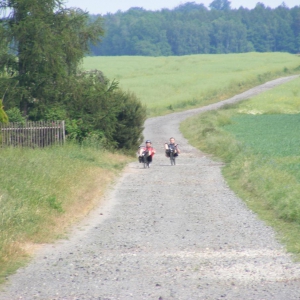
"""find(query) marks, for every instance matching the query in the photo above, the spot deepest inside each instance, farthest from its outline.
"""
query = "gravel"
(167, 232)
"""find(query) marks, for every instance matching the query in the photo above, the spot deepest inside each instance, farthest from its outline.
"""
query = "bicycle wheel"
(145, 161)
(172, 159)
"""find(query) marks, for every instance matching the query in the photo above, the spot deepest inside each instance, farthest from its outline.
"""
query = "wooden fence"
(32, 134)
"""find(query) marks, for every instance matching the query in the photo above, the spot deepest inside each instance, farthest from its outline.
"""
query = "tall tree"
(220, 5)
(46, 43)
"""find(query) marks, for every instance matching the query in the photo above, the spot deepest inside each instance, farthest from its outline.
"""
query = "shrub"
(14, 115)
(99, 107)
(131, 118)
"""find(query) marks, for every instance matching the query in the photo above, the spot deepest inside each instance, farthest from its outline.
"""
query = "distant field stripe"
(277, 135)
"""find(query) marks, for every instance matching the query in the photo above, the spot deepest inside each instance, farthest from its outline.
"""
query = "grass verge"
(259, 139)
(44, 191)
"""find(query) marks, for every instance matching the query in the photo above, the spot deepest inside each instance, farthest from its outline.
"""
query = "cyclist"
(173, 146)
(147, 150)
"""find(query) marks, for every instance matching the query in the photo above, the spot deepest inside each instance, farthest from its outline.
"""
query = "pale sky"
(112, 6)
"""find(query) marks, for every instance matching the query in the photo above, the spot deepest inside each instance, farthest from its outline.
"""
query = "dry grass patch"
(46, 191)
(83, 198)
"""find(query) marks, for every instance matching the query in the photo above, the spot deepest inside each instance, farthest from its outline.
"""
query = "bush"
(131, 118)
(14, 115)
(99, 107)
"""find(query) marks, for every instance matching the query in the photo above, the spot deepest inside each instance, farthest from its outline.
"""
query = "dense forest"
(192, 28)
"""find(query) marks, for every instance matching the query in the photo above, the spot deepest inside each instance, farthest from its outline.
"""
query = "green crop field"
(179, 82)
(270, 135)
(283, 99)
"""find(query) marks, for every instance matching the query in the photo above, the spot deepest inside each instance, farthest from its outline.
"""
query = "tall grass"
(260, 144)
(43, 191)
(168, 84)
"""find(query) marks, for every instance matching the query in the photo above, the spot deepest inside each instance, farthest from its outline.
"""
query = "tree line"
(42, 44)
(192, 28)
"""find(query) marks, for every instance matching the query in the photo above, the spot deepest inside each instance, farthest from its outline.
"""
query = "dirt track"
(165, 233)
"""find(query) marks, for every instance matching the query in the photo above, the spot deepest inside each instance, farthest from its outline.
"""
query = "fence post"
(63, 132)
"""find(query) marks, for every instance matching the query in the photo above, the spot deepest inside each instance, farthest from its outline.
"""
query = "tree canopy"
(45, 44)
(42, 44)
(220, 5)
(192, 28)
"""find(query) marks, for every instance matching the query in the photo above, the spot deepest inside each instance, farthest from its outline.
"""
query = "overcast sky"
(112, 6)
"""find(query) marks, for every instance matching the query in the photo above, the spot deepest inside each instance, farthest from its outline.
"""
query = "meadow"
(259, 139)
(43, 192)
(167, 84)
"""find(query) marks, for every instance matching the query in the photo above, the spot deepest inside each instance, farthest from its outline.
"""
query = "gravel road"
(168, 232)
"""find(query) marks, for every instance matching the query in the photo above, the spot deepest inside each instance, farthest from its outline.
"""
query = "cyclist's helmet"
(148, 141)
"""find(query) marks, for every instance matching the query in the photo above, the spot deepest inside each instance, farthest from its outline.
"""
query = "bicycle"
(172, 154)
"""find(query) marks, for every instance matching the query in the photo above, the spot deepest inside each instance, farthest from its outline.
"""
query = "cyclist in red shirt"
(147, 150)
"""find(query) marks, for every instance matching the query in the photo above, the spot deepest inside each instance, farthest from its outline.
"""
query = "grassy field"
(175, 83)
(44, 191)
(275, 135)
(259, 139)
